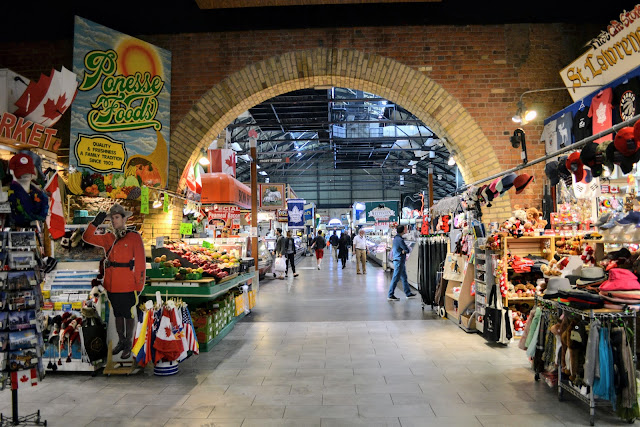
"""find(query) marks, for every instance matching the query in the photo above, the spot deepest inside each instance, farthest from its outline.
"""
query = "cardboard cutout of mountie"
(120, 117)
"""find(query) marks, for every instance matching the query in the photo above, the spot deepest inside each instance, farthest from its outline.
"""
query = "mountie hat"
(521, 182)
(506, 183)
(551, 170)
(22, 164)
(590, 157)
(575, 166)
(118, 209)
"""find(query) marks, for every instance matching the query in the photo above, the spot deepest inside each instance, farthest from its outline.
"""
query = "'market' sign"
(614, 52)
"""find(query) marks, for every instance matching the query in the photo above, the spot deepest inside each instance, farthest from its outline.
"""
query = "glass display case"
(265, 257)
(377, 249)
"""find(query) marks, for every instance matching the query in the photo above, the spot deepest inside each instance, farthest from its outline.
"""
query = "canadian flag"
(223, 160)
(19, 378)
(190, 177)
(55, 219)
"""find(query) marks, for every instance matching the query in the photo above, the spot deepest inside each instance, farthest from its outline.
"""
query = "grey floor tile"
(387, 388)
(364, 422)
(124, 421)
(464, 409)
(288, 399)
(462, 421)
(199, 412)
(321, 411)
(67, 421)
(242, 411)
(381, 411)
(279, 422)
(180, 422)
(533, 420)
(117, 410)
(357, 399)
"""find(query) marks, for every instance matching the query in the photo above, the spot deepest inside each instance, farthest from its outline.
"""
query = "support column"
(254, 201)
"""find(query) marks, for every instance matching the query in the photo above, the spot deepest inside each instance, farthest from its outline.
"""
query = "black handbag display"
(493, 318)
(94, 336)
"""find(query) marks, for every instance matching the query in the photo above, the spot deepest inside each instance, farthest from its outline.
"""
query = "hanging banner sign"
(385, 211)
(225, 216)
(144, 200)
(295, 208)
(272, 196)
(165, 204)
(614, 52)
(186, 228)
(121, 113)
(283, 215)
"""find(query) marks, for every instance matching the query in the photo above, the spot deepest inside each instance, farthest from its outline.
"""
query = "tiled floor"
(377, 364)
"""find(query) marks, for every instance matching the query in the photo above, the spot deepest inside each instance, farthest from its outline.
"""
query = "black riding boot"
(131, 328)
(121, 336)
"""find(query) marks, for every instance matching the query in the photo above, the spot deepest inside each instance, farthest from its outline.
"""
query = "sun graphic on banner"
(135, 55)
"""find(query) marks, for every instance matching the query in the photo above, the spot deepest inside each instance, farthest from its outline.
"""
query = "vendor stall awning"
(222, 188)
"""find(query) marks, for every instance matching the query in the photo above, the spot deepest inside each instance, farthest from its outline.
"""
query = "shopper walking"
(318, 244)
(290, 251)
(334, 240)
(343, 248)
(279, 249)
(360, 250)
(400, 251)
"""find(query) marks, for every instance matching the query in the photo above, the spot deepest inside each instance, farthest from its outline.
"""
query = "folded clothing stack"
(581, 300)
(521, 265)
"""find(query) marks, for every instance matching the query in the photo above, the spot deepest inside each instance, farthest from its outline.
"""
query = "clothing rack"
(548, 306)
(573, 147)
(432, 251)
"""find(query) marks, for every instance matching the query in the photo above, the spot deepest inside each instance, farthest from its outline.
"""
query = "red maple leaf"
(167, 331)
(24, 378)
(229, 161)
(54, 109)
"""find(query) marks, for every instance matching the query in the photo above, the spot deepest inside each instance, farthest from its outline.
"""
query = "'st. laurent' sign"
(611, 54)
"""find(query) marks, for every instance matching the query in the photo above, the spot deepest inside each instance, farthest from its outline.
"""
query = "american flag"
(189, 331)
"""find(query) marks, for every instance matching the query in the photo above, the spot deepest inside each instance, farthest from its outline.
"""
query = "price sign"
(144, 200)
(165, 206)
(186, 228)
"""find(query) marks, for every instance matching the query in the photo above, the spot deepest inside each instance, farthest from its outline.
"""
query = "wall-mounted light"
(452, 160)
(204, 159)
(524, 116)
(157, 203)
(262, 173)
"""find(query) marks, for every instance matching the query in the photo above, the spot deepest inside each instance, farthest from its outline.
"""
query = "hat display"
(621, 280)
(601, 149)
(22, 164)
(590, 275)
(118, 209)
(616, 157)
(506, 183)
(636, 130)
(625, 142)
(492, 187)
(521, 182)
(574, 165)
(589, 156)
(556, 284)
(551, 171)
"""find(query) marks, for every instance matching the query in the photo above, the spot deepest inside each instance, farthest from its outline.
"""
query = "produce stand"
(194, 289)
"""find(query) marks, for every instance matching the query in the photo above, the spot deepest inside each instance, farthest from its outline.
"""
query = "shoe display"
(393, 298)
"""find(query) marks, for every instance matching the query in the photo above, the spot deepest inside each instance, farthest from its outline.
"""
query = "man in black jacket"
(334, 240)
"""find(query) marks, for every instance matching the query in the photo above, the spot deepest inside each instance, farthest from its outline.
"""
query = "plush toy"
(520, 290)
(531, 290)
(528, 228)
(553, 269)
(511, 291)
(535, 217)
(588, 257)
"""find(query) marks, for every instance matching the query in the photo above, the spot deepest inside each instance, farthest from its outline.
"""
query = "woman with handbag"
(290, 254)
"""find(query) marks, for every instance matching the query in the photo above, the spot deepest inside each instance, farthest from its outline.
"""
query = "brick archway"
(350, 68)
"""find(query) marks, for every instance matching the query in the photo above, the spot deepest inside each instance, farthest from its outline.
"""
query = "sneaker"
(393, 298)
(295, 274)
(411, 295)
(318, 267)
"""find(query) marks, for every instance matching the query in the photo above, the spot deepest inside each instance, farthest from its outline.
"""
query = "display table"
(197, 289)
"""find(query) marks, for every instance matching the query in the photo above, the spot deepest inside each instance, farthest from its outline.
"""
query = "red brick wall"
(485, 68)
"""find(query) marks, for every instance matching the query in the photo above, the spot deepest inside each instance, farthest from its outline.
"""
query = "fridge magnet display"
(21, 300)
(20, 340)
(22, 239)
(4, 341)
(71, 247)
(3, 300)
(21, 280)
(24, 319)
(21, 260)
(23, 359)
(4, 319)
(3, 239)
(3, 259)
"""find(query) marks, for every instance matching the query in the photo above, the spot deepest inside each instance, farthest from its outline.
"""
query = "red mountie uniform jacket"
(120, 279)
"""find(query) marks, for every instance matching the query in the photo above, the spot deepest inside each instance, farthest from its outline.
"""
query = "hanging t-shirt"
(550, 137)
(601, 114)
(563, 128)
(625, 100)
(581, 125)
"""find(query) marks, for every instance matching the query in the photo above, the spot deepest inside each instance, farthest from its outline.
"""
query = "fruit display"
(211, 262)
(112, 185)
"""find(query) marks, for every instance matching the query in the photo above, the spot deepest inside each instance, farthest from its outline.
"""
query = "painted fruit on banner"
(121, 115)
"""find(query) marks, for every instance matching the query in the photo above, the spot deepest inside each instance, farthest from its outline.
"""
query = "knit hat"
(22, 164)
(506, 183)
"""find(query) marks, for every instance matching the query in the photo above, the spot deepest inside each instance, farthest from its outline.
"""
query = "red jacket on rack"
(130, 247)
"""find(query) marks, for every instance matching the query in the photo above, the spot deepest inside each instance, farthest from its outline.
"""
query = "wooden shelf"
(520, 299)
(452, 297)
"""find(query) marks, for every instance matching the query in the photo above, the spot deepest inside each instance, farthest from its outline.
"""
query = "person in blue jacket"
(400, 251)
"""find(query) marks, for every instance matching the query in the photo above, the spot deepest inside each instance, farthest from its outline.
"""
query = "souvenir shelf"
(21, 341)
(484, 279)
(601, 314)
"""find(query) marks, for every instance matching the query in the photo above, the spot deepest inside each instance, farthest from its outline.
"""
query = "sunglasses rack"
(606, 317)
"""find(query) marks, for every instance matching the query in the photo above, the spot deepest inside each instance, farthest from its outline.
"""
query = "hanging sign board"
(283, 215)
(20, 130)
(226, 216)
(186, 228)
(295, 208)
(385, 211)
(165, 204)
(614, 52)
(121, 113)
(272, 196)
(144, 200)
